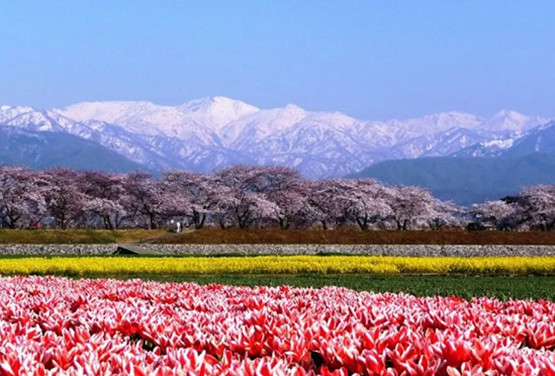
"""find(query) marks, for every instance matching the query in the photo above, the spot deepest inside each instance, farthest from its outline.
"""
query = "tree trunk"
(362, 223)
(108, 222)
(201, 223)
(151, 221)
(63, 224)
(198, 219)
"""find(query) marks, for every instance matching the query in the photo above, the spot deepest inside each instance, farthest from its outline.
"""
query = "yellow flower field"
(375, 265)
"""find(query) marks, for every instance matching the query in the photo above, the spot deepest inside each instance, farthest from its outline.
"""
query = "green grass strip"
(466, 287)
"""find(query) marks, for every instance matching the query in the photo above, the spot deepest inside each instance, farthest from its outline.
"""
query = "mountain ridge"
(215, 132)
(466, 180)
(40, 150)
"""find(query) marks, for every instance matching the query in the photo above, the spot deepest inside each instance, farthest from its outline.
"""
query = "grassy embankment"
(76, 236)
(354, 236)
(275, 236)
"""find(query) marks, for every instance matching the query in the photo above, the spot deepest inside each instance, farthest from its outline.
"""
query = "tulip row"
(376, 265)
(54, 326)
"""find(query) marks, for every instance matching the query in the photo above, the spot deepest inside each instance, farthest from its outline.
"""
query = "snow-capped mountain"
(439, 143)
(215, 132)
(540, 139)
(537, 140)
(512, 121)
(202, 117)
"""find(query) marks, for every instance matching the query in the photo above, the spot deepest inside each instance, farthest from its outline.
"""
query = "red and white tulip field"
(59, 326)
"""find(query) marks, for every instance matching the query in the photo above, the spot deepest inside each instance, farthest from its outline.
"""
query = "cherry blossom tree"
(238, 201)
(64, 200)
(104, 196)
(21, 198)
(291, 207)
(367, 202)
(496, 214)
(413, 206)
(286, 189)
(189, 194)
(535, 207)
(143, 198)
(442, 213)
(328, 202)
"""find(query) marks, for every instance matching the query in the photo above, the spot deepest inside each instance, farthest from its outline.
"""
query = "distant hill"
(467, 180)
(39, 150)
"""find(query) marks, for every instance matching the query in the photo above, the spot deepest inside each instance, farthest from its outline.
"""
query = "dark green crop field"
(533, 287)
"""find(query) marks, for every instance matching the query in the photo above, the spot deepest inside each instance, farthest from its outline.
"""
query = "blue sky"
(369, 59)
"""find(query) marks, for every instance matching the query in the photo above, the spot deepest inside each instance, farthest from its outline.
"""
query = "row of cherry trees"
(246, 197)
(532, 209)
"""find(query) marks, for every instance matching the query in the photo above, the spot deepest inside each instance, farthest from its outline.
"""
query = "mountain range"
(214, 132)
(486, 170)
(39, 150)
(467, 180)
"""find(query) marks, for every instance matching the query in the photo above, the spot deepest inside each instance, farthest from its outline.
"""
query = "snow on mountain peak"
(454, 119)
(509, 120)
(428, 125)
(194, 118)
(109, 111)
(504, 113)
(139, 117)
(202, 104)
(293, 107)
(216, 111)
(255, 126)
(15, 109)
(7, 113)
(215, 132)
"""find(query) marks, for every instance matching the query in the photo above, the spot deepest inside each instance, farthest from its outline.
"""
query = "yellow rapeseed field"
(376, 265)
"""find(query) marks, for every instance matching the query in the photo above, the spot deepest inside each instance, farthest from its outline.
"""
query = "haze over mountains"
(215, 132)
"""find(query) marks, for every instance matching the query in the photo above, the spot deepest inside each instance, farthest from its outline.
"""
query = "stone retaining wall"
(57, 249)
(288, 249)
(389, 250)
